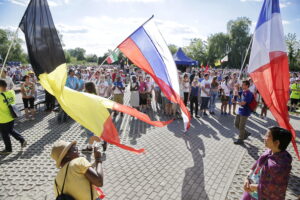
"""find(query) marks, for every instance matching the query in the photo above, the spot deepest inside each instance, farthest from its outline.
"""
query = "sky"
(99, 25)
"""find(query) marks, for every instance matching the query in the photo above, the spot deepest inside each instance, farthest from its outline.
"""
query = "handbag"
(63, 196)
(14, 110)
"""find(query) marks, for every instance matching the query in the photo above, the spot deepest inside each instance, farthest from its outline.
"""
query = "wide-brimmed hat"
(60, 150)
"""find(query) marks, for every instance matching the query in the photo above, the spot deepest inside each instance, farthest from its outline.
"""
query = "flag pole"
(8, 51)
(102, 63)
(245, 57)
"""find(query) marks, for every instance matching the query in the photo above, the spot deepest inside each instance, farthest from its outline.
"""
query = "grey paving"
(200, 164)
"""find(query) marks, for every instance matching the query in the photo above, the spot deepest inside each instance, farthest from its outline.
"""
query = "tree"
(173, 48)
(78, 53)
(239, 34)
(16, 52)
(92, 58)
(217, 46)
(293, 47)
(197, 50)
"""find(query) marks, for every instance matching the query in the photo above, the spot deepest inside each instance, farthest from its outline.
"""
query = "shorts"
(143, 99)
(295, 101)
(29, 101)
(224, 99)
(118, 98)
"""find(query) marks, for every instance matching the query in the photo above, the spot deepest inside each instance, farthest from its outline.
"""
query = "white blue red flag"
(268, 65)
(147, 49)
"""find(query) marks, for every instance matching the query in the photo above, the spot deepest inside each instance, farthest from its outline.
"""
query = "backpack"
(253, 104)
(63, 196)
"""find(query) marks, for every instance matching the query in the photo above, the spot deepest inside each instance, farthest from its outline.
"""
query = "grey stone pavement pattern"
(198, 165)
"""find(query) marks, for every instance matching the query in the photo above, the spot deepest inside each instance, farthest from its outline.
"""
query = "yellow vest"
(5, 115)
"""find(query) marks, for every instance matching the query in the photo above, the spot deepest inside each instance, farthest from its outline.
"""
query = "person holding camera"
(77, 178)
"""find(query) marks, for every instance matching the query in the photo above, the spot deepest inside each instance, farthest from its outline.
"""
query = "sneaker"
(197, 116)
(87, 150)
(213, 113)
(5, 152)
(222, 113)
(205, 114)
(23, 144)
(122, 114)
(247, 135)
(239, 142)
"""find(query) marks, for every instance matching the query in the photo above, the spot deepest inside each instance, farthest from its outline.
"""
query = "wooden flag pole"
(8, 51)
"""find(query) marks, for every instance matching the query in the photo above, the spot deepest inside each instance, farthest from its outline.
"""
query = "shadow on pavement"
(295, 187)
(193, 186)
(49, 138)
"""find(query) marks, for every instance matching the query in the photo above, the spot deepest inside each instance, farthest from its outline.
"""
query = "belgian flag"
(48, 62)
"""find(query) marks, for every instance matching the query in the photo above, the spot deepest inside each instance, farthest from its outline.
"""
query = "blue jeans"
(212, 102)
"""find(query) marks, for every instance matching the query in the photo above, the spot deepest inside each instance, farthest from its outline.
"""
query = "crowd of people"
(200, 91)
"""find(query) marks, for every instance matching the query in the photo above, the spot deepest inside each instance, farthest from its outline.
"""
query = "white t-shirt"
(226, 89)
(149, 86)
(102, 86)
(205, 84)
(186, 86)
(252, 88)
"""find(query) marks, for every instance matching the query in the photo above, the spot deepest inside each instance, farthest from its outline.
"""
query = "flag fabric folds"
(48, 62)
(113, 57)
(147, 49)
(268, 65)
(217, 63)
(225, 59)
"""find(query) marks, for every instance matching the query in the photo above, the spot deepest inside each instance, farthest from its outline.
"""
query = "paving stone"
(200, 164)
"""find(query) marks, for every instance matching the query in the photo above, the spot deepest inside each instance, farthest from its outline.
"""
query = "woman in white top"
(225, 93)
(102, 86)
(186, 87)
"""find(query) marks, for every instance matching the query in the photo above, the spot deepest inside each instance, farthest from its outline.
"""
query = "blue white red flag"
(147, 49)
(268, 65)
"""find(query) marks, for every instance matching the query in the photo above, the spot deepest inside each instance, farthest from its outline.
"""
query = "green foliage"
(239, 35)
(16, 53)
(293, 47)
(173, 48)
(217, 46)
(197, 50)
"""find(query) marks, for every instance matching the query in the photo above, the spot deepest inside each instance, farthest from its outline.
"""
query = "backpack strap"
(63, 186)
(5, 98)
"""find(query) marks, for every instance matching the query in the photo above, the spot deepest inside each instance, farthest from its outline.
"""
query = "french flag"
(147, 49)
(268, 65)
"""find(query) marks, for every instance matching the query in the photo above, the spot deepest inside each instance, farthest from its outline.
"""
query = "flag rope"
(247, 52)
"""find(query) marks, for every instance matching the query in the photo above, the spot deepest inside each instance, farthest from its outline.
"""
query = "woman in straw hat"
(77, 177)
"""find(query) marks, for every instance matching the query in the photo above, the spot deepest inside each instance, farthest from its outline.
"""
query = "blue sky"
(98, 25)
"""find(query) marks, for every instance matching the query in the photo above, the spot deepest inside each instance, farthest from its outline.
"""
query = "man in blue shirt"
(72, 81)
(243, 113)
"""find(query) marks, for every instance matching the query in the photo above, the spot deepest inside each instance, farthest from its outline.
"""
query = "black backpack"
(63, 196)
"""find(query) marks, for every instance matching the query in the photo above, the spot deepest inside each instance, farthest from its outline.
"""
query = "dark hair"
(284, 136)
(205, 75)
(246, 83)
(3, 83)
(26, 76)
(90, 88)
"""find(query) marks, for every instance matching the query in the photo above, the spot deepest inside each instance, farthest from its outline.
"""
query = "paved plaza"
(200, 164)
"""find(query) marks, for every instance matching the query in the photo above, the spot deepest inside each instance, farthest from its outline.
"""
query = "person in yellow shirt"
(77, 177)
(6, 119)
(295, 94)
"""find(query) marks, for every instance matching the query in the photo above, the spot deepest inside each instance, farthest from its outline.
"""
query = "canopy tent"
(181, 59)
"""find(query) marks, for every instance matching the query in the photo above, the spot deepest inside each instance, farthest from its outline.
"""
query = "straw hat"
(59, 151)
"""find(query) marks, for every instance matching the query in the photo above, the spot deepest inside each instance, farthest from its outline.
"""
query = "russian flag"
(147, 49)
(268, 65)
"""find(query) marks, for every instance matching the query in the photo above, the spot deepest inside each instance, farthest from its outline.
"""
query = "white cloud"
(251, 0)
(97, 35)
(138, 1)
(52, 3)
(285, 22)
